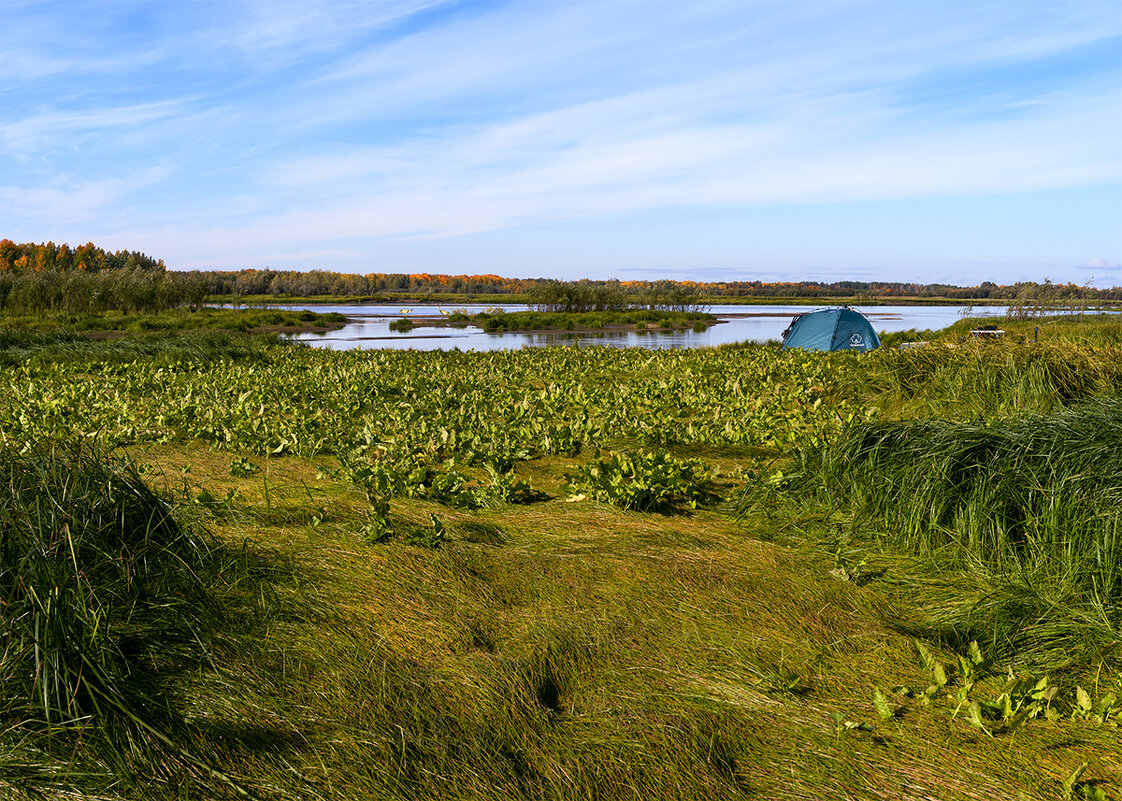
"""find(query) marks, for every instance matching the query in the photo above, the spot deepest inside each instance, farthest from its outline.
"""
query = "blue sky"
(915, 141)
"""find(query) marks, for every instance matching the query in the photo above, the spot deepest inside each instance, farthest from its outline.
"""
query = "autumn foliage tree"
(48, 277)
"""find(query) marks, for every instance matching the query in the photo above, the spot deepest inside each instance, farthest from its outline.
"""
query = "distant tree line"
(36, 277)
(987, 290)
(292, 283)
(554, 295)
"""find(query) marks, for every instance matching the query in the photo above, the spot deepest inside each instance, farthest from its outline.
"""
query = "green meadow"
(232, 567)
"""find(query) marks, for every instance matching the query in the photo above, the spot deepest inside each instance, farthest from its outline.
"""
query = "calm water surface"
(369, 327)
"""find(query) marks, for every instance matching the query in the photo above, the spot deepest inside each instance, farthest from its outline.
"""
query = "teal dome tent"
(831, 329)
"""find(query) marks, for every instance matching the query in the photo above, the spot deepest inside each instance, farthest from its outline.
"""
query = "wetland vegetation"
(664, 319)
(234, 567)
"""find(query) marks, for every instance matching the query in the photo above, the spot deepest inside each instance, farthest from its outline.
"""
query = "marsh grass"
(1082, 329)
(95, 577)
(604, 654)
(537, 320)
(107, 597)
(88, 553)
(561, 649)
(23, 338)
(164, 348)
(1033, 504)
(530, 668)
(558, 650)
(999, 378)
(207, 318)
(170, 336)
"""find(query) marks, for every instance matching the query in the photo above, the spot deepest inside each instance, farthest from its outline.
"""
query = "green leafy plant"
(506, 487)
(851, 563)
(937, 674)
(433, 536)
(842, 724)
(1085, 707)
(378, 478)
(646, 482)
(971, 666)
(791, 683)
(377, 527)
(1075, 789)
(884, 709)
(974, 718)
(448, 488)
(1020, 700)
(243, 468)
(216, 505)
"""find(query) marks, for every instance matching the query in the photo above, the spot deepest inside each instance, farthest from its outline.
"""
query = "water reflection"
(369, 328)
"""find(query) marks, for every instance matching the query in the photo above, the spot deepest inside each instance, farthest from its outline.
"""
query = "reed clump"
(1033, 503)
(98, 587)
(963, 380)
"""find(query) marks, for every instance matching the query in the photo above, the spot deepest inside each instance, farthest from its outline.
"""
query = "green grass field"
(234, 568)
(171, 320)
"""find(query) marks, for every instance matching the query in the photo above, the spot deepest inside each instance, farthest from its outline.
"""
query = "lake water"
(369, 327)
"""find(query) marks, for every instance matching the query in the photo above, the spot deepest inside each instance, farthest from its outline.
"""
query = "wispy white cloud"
(540, 169)
(126, 37)
(302, 25)
(64, 205)
(630, 152)
(40, 131)
(1100, 272)
(326, 128)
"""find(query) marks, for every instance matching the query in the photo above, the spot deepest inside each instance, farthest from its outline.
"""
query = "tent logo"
(856, 340)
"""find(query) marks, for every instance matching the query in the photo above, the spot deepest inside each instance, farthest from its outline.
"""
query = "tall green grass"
(170, 348)
(1032, 503)
(964, 380)
(100, 588)
(139, 322)
(1083, 329)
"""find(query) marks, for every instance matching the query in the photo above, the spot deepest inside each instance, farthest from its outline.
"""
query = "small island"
(499, 321)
